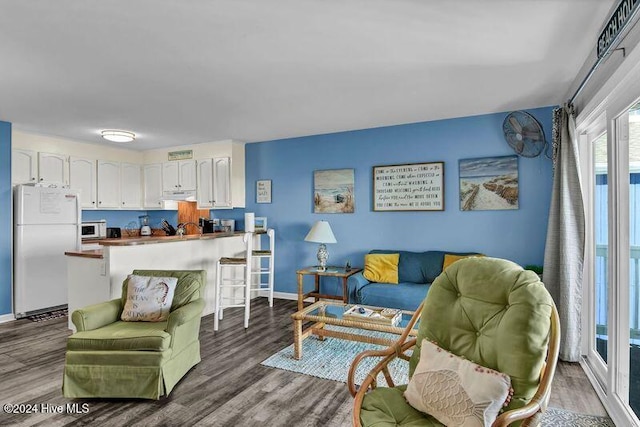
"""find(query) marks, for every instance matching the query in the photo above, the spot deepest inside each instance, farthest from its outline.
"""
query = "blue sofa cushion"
(405, 296)
(419, 267)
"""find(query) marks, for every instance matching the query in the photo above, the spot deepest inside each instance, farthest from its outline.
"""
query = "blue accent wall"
(518, 235)
(5, 218)
(114, 218)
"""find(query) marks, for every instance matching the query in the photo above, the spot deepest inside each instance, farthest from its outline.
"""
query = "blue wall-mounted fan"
(524, 134)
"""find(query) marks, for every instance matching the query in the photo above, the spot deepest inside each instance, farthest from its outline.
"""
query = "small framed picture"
(261, 224)
(263, 191)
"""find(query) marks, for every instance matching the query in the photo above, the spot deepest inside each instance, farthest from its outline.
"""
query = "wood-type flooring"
(228, 388)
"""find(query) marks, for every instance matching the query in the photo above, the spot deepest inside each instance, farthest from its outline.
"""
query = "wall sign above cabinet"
(180, 155)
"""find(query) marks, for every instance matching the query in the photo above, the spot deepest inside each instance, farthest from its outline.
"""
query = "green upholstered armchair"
(107, 357)
(486, 310)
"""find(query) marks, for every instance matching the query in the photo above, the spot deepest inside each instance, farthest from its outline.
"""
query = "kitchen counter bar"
(96, 275)
(147, 240)
(129, 241)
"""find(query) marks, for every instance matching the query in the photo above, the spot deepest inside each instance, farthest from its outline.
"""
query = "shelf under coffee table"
(331, 313)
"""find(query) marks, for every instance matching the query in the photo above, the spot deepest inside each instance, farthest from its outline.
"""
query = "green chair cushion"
(386, 407)
(494, 313)
(132, 336)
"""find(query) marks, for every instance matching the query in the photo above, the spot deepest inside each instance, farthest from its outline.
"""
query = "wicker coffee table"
(323, 313)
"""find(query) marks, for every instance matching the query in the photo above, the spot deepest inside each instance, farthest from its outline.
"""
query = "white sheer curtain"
(564, 251)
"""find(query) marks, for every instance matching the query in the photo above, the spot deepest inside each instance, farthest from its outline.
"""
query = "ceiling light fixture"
(118, 135)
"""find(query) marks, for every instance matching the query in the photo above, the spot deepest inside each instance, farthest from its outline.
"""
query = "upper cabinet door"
(24, 166)
(222, 182)
(205, 184)
(187, 175)
(179, 175)
(108, 184)
(170, 176)
(152, 175)
(82, 177)
(52, 168)
(130, 186)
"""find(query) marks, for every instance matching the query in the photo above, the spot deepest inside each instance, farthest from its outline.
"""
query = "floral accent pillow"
(455, 391)
(148, 298)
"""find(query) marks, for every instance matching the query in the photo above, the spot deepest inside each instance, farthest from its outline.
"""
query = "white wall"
(57, 145)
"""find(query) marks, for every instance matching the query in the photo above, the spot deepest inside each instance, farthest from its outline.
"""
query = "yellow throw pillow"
(381, 268)
(450, 259)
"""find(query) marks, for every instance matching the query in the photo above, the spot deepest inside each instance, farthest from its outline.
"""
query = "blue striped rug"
(330, 359)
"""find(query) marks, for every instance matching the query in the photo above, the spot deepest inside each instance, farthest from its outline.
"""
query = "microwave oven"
(94, 229)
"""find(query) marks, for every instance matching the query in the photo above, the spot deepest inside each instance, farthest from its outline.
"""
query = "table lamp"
(321, 233)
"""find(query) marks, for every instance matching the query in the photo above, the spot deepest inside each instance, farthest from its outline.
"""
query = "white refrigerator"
(46, 224)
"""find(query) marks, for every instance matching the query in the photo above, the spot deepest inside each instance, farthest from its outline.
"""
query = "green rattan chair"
(487, 310)
(107, 357)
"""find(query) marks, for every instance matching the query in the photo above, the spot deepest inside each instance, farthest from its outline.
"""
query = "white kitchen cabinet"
(108, 185)
(205, 184)
(52, 168)
(130, 186)
(152, 184)
(179, 175)
(24, 166)
(222, 183)
(82, 177)
(214, 183)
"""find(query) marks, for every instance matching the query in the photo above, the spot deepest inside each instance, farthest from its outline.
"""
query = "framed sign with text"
(409, 187)
(263, 191)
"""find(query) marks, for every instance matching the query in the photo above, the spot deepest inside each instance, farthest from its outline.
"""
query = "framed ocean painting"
(333, 191)
(489, 183)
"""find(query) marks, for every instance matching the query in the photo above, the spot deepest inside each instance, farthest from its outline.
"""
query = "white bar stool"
(260, 271)
(234, 283)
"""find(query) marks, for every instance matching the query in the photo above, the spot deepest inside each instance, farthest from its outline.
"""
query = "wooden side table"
(331, 272)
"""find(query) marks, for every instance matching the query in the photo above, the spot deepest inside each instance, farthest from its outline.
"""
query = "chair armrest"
(388, 355)
(97, 315)
(184, 314)
(355, 282)
(387, 352)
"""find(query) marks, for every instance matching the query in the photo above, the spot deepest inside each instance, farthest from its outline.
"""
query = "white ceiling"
(190, 71)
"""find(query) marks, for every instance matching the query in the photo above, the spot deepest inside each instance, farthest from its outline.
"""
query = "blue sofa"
(416, 272)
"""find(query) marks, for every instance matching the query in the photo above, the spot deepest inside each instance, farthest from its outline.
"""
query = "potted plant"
(535, 268)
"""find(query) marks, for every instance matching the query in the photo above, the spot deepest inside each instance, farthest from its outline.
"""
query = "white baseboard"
(7, 318)
(284, 295)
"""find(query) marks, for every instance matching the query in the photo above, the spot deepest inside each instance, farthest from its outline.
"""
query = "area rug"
(330, 359)
(55, 314)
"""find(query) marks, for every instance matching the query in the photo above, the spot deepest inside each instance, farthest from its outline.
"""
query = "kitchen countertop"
(146, 240)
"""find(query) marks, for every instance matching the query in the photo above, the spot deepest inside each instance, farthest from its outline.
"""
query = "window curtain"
(564, 251)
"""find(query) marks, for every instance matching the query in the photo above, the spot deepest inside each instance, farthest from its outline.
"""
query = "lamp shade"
(321, 233)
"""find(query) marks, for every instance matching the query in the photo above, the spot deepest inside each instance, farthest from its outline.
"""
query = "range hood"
(180, 195)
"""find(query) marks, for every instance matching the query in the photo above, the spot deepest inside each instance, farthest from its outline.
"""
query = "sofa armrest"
(97, 315)
(354, 283)
(184, 314)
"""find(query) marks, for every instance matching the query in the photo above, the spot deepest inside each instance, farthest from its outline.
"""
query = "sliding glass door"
(612, 262)
(630, 125)
(600, 270)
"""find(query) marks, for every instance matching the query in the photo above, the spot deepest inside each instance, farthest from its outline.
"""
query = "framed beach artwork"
(333, 191)
(489, 183)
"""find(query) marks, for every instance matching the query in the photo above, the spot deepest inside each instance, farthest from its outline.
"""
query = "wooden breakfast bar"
(96, 275)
